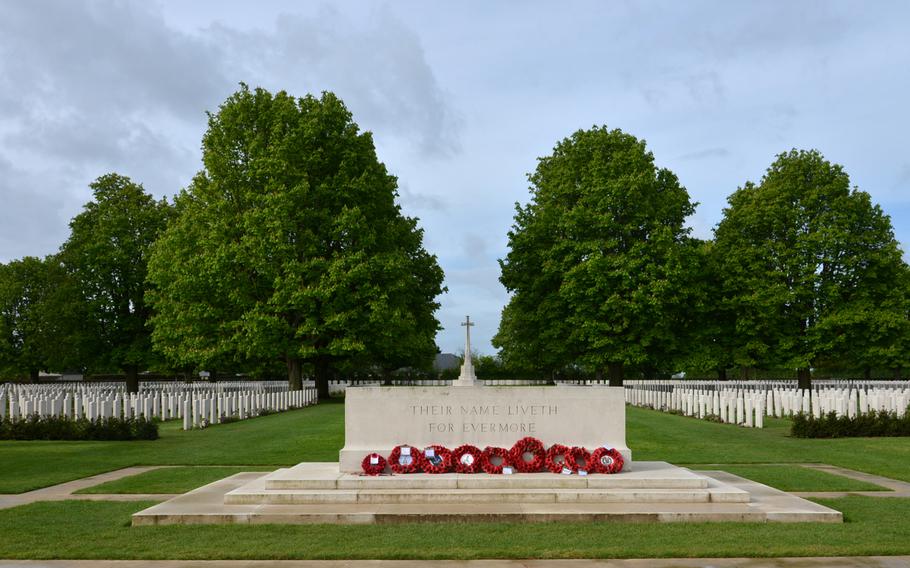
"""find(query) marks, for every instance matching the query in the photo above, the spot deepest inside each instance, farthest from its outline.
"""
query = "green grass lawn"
(655, 435)
(795, 478)
(80, 529)
(317, 433)
(171, 479)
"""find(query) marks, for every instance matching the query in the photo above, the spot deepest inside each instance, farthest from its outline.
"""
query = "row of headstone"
(746, 404)
(340, 385)
(102, 402)
(204, 410)
(176, 387)
(731, 407)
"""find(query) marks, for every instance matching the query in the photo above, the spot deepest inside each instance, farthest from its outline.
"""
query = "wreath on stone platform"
(467, 459)
(436, 459)
(470, 459)
(578, 459)
(607, 460)
(373, 464)
(528, 445)
(556, 458)
(405, 462)
(491, 452)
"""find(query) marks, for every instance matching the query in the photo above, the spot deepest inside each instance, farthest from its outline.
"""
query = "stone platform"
(645, 492)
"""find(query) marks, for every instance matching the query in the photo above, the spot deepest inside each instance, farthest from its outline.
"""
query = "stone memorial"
(379, 419)
(376, 419)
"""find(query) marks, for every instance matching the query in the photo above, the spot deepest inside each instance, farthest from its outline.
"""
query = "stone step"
(642, 475)
(447, 513)
(397, 496)
(207, 505)
(258, 492)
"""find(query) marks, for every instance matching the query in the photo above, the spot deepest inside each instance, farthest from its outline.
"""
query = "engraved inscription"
(483, 418)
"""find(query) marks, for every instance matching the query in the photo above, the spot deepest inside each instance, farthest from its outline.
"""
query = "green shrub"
(58, 428)
(869, 425)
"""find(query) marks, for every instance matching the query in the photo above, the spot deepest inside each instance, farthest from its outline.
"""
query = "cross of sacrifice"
(467, 344)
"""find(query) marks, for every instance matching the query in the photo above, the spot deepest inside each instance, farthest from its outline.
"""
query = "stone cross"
(467, 344)
(467, 377)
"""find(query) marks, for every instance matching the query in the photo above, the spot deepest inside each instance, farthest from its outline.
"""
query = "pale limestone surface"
(652, 492)
(379, 418)
(467, 378)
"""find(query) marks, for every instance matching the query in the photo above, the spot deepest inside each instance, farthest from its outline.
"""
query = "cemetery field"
(83, 529)
(317, 433)
(101, 529)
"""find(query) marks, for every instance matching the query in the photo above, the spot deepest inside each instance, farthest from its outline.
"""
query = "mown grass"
(80, 529)
(310, 434)
(317, 433)
(170, 479)
(796, 478)
(654, 435)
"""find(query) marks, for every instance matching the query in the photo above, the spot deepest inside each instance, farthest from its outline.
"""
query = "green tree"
(599, 260)
(41, 327)
(289, 246)
(809, 267)
(707, 339)
(107, 255)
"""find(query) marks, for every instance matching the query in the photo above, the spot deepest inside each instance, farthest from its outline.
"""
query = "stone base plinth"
(379, 418)
(318, 493)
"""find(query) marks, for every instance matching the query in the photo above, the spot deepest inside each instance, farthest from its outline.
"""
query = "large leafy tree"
(289, 246)
(810, 268)
(599, 260)
(107, 255)
(41, 328)
(708, 340)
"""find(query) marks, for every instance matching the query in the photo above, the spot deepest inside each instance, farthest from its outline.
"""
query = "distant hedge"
(871, 424)
(57, 428)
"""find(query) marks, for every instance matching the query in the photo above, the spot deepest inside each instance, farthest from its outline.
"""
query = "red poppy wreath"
(607, 460)
(578, 459)
(436, 459)
(528, 446)
(404, 459)
(373, 464)
(556, 458)
(490, 454)
(467, 459)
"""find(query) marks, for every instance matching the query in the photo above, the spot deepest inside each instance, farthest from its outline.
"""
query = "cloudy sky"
(461, 99)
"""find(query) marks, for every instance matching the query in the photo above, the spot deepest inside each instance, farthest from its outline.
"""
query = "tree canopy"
(811, 269)
(107, 255)
(599, 260)
(289, 246)
(38, 322)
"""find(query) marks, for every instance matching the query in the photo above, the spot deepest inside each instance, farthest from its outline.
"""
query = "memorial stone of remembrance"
(512, 453)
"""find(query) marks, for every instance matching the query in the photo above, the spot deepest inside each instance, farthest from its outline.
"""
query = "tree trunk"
(867, 373)
(295, 380)
(804, 378)
(599, 375)
(132, 378)
(615, 371)
(744, 373)
(33, 375)
(897, 374)
(323, 372)
(721, 373)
